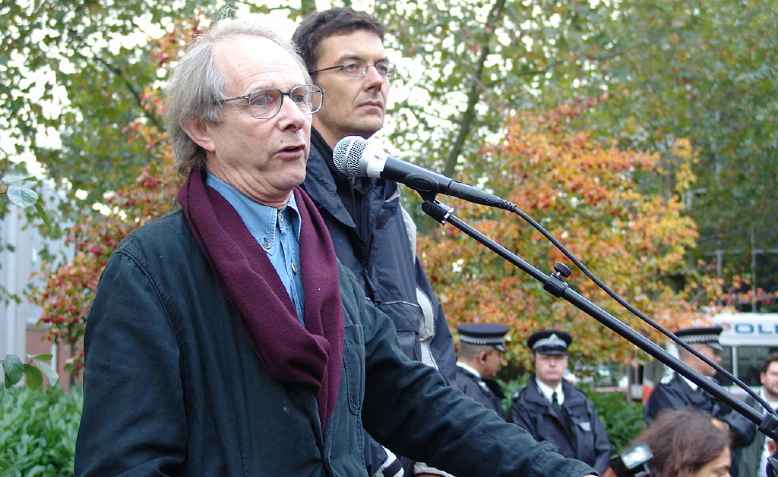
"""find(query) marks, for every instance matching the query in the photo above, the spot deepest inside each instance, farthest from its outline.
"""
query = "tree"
(705, 71)
(591, 197)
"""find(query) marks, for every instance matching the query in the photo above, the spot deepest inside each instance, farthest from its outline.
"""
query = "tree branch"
(466, 125)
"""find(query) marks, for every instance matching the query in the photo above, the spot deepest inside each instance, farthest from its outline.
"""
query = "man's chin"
(368, 125)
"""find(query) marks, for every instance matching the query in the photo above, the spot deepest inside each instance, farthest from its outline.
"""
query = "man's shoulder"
(572, 392)
(161, 236)
(529, 393)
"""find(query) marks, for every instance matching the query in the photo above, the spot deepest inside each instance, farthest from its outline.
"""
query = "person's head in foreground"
(687, 443)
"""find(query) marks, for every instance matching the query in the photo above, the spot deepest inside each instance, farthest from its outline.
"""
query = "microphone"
(353, 157)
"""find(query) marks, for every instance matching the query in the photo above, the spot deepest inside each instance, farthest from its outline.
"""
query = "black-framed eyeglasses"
(358, 69)
(266, 103)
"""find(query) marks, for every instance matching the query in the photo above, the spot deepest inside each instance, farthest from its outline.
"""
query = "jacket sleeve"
(451, 431)
(602, 446)
(442, 344)
(133, 421)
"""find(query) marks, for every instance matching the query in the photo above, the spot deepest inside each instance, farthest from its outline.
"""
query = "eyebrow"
(355, 57)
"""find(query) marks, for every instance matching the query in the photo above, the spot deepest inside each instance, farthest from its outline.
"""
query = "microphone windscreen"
(347, 155)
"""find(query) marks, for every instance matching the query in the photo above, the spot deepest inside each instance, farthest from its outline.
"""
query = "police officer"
(678, 392)
(552, 409)
(481, 346)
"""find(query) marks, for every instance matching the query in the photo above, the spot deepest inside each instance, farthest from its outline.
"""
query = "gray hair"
(196, 84)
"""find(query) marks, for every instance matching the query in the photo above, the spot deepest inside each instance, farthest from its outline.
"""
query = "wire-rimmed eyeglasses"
(266, 103)
(358, 69)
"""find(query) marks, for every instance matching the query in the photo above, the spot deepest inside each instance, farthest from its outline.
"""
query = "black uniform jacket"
(477, 389)
(577, 433)
(173, 386)
(677, 394)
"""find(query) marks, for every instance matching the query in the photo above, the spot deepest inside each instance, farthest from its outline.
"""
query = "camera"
(633, 461)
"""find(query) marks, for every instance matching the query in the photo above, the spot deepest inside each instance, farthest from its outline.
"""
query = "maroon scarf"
(290, 353)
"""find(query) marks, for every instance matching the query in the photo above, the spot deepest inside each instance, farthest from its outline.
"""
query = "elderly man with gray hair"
(225, 339)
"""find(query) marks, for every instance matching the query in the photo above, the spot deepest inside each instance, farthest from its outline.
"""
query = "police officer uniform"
(680, 393)
(469, 380)
(563, 416)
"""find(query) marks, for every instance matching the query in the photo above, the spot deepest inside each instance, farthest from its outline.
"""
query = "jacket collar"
(534, 395)
(469, 369)
(320, 181)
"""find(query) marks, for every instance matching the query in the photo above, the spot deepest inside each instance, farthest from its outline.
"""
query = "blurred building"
(21, 249)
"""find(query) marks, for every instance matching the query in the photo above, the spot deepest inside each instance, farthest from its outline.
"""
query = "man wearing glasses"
(373, 236)
(226, 340)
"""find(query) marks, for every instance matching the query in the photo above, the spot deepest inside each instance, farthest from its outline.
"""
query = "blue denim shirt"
(277, 231)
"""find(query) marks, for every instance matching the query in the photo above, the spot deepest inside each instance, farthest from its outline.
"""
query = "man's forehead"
(341, 46)
(248, 62)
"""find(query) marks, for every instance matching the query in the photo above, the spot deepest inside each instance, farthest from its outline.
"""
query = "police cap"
(483, 334)
(708, 335)
(549, 342)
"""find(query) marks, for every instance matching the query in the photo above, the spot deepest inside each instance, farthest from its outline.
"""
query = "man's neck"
(330, 137)
(770, 397)
(470, 367)
(550, 384)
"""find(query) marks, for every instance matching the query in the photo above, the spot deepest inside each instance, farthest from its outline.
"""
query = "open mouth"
(293, 149)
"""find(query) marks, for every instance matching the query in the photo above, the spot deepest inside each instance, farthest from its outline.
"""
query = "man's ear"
(200, 133)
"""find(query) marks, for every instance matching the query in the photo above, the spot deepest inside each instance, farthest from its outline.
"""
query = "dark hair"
(319, 26)
(682, 442)
(771, 358)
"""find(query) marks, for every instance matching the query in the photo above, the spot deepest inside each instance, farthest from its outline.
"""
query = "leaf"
(13, 368)
(40, 212)
(43, 358)
(33, 377)
(21, 195)
(15, 177)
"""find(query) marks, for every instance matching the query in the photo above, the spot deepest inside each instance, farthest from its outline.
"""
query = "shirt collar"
(260, 220)
(468, 368)
(690, 383)
(547, 391)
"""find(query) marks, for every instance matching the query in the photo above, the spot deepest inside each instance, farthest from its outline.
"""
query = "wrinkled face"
(352, 106)
(264, 158)
(491, 361)
(769, 380)
(549, 368)
(718, 467)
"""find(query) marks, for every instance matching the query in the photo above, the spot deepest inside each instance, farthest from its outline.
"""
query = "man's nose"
(373, 78)
(291, 115)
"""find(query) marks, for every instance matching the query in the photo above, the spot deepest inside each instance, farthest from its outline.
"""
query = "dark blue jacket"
(477, 389)
(370, 238)
(578, 433)
(677, 394)
(173, 386)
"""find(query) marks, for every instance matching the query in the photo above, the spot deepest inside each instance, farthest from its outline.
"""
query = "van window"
(749, 362)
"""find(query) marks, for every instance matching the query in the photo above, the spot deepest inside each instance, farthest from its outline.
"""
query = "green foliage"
(12, 369)
(623, 420)
(38, 431)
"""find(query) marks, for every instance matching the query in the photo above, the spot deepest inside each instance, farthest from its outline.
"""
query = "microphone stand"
(556, 285)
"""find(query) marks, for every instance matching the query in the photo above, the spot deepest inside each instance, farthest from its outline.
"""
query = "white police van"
(747, 339)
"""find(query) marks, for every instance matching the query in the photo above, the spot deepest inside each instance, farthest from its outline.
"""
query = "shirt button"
(294, 268)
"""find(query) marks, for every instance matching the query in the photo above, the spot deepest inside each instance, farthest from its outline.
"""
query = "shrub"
(38, 431)
(623, 420)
